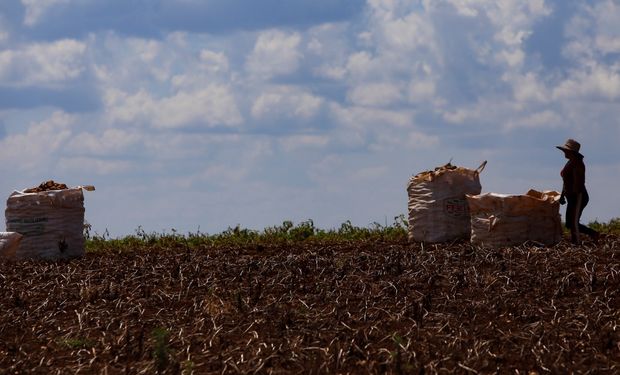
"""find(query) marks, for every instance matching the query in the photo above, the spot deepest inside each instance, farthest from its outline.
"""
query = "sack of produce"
(9, 243)
(438, 210)
(50, 218)
(507, 220)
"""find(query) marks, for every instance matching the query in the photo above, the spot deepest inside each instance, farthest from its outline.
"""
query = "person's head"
(571, 149)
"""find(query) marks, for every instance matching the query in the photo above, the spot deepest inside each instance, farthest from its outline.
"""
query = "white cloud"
(327, 39)
(377, 129)
(287, 102)
(275, 53)
(79, 164)
(331, 72)
(296, 142)
(511, 57)
(594, 32)
(149, 56)
(608, 44)
(511, 23)
(109, 142)
(214, 62)
(360, 64)
(172, 63)
(408, 33)
(419, 140)
(514, 18)
(43, 63)
(38, 147)
(459, 115)
(211, 67)
(36, 8)
(211, 106)
(466, 7)
(421, 90)
(327, 50)
(543, 119)
(488, 111)
(375, 94)
(363, 117)
(607, 19)
(527, 87)
(598, 81)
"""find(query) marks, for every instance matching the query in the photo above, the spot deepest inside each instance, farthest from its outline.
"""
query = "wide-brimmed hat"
(571, 145)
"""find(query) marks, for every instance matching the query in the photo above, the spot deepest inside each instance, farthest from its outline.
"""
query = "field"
(295, 299)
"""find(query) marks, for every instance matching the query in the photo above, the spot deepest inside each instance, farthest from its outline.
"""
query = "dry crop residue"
(316, 308)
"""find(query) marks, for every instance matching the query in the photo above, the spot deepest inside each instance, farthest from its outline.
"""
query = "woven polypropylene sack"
(507, 220)
(52, 223)
(9, 243)
(438, 210)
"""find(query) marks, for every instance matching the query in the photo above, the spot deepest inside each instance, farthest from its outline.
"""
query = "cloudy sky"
(205, 114)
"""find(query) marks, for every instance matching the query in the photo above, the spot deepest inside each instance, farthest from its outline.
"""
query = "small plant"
(612, 227)
(303, 231)
(188, 368)
(287, 232)
(160, 349)
(76, 343)
(397, 355)
(86, 229)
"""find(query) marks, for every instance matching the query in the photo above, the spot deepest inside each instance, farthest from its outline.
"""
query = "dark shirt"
(574, 176)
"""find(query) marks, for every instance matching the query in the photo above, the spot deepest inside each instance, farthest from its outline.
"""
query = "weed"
(612, 227)
(76, 343)
(188, 367)
(160, 349)
(286, 233)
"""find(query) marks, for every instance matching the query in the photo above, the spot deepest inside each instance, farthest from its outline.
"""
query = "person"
(574, 191)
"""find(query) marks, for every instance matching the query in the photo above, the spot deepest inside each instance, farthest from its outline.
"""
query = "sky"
(199, 115)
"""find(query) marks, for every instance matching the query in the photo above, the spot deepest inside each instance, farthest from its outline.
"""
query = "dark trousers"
(575, 205)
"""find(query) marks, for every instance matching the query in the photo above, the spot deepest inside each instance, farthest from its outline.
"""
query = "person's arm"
(565, 176)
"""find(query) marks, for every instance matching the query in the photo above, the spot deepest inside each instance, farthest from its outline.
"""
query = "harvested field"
(315, 307)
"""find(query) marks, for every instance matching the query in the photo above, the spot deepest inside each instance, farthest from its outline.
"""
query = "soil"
(358, 307)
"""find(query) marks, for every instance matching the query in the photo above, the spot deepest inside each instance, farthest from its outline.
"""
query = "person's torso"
(574, 176)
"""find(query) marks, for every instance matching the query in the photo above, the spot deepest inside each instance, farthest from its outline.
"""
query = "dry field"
(315, 307)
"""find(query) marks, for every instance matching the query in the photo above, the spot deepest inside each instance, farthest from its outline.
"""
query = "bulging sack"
(51, 222)
(508, 220)
(438, 210)
(9, 243)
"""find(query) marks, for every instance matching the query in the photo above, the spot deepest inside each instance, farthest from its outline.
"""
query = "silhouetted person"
(574, 191)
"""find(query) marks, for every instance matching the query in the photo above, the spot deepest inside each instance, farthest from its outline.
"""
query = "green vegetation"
(285, 233)
(612, 227)
(160, 349)
(76, 343)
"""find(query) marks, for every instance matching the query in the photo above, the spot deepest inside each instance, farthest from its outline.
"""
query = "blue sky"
(191, 114)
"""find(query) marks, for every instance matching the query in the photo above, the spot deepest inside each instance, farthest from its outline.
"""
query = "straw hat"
(571, 145)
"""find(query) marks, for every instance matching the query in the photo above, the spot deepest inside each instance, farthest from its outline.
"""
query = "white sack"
(507, 220)
(9, 243)
(438, 210)
(51, 222)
